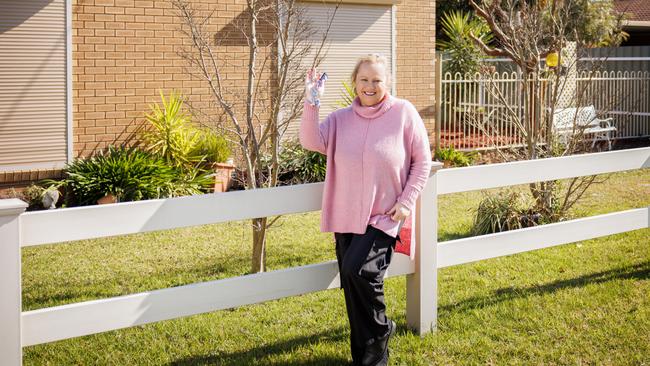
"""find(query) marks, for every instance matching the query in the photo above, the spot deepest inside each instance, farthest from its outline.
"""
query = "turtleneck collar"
(373, 111)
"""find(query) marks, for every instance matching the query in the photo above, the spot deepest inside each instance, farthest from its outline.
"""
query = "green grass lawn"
(585, 303)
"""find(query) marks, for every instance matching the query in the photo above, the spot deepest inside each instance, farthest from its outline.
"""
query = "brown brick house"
(77, 75)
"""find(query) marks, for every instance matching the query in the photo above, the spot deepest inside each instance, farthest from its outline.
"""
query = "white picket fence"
(20, 229)
(622, 95)
(466, 101)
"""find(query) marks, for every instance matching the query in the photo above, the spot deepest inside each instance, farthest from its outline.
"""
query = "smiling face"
(371, 83)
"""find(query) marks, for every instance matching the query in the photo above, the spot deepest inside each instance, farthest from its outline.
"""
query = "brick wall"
(415, 57)
(125, 51)
(25, 177)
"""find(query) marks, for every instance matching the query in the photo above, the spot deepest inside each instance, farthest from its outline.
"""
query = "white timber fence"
(469, 101)
(19, 229)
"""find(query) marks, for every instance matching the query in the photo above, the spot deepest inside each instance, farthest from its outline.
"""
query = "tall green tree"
(594, 23)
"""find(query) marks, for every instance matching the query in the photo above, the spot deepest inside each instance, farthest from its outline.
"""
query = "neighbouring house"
(77, 75)
(637, 21)
(633, 55)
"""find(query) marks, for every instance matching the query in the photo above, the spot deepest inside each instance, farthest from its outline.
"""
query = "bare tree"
(280, 44)
(526, 32)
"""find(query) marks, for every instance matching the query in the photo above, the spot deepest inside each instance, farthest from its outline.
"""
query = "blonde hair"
(373, 58)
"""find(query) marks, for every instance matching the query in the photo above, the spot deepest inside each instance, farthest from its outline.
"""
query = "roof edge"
(636, 24)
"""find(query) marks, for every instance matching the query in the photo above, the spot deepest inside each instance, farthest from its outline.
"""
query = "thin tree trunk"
(258, 263)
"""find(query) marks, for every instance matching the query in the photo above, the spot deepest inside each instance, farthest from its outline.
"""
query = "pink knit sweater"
(376, 156)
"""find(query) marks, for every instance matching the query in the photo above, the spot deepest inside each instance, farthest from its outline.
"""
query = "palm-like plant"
(170, 133)
(457, 28)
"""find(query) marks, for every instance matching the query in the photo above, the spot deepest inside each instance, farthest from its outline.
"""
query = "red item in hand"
(405, 241)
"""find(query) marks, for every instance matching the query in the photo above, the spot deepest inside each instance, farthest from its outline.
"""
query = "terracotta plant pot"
(109, 198)
(223, 176)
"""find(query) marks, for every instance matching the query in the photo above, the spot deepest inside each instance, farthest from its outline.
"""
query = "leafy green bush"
(212, 147)
(454, 157)
(188, 182)
(298, 165)
(503, 211)
(129, 174)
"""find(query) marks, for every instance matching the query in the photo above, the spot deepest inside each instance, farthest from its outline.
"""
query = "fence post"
(422, 286)
(10, 292)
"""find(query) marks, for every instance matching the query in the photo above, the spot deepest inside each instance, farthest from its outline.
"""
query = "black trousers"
(363, 260)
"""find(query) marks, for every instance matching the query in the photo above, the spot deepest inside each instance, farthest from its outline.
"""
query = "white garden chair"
(571, 121)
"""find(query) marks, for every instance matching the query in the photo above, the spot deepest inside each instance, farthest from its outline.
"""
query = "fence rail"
(466, 250)
(19, 229)
(134, 217)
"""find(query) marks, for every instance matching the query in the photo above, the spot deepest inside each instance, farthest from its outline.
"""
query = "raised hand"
(314, 86)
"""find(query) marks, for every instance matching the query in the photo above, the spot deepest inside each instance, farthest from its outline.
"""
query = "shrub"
(212, 147)
(33, 195)
(502, 212)
(454, 157)
(187, 182)
(298, 165)
(171, 135)
(130, 174)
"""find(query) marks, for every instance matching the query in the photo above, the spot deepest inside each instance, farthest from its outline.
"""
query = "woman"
(378, 161)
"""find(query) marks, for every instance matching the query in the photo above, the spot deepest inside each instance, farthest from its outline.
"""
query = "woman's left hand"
(399, 212)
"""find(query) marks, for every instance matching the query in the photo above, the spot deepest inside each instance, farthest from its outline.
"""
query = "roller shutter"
(357, 30)
(33, 97)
